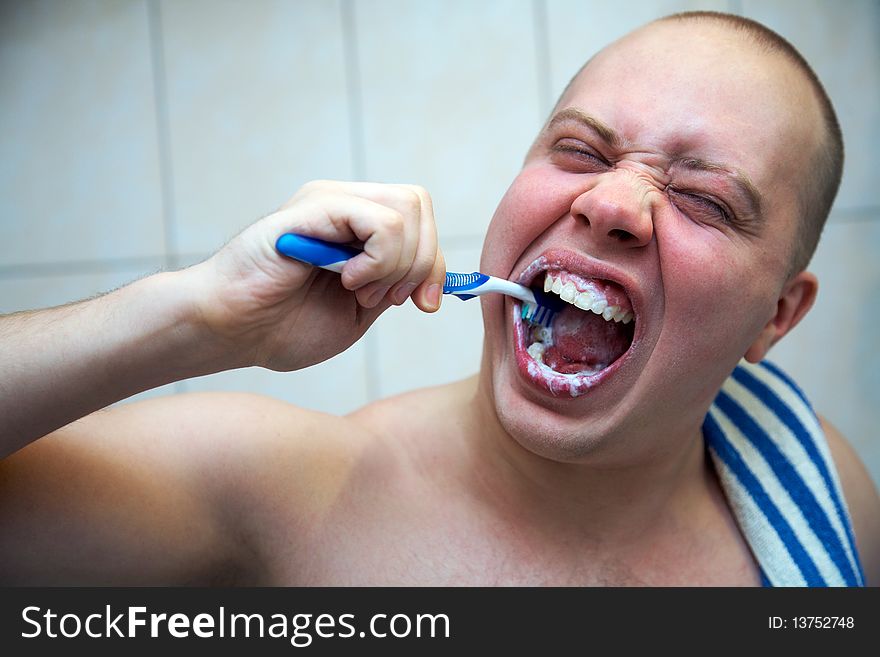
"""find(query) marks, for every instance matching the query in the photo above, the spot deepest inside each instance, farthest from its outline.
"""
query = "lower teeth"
(536, 350)
(541, 338)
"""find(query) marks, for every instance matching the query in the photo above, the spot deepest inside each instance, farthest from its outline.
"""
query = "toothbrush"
(537, 308)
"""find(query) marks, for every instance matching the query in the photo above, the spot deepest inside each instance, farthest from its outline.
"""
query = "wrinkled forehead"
(705, 91)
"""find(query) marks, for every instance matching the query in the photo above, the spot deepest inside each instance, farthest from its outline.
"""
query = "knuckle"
(312, 185)
(393, 222)
(418, 190)
(410, 198)
(312, 189)
(423, 196)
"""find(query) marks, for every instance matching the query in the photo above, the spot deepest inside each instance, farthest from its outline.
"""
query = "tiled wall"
(139, 135)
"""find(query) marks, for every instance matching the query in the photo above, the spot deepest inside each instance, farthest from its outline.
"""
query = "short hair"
(819, 190)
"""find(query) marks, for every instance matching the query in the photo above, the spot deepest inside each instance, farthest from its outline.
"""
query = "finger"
(384, 247)
(426, 253)
(429, 294)
(411, 232)
(404, 224)
(373, 294)
(345, 219)
(408, 200)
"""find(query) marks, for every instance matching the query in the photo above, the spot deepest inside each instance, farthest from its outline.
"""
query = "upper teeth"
(588, 300)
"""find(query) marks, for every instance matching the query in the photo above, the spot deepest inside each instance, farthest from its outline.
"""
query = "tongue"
(583, 341)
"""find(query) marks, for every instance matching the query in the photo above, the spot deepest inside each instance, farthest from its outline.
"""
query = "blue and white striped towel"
(776, 470)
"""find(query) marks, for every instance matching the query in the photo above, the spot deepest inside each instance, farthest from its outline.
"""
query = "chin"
(548, 437)
(558, 428)
(561, 390)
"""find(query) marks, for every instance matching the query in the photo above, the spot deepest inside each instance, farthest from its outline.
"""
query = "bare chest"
(412, 542)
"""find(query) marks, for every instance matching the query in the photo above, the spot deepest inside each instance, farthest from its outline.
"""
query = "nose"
(616, 211)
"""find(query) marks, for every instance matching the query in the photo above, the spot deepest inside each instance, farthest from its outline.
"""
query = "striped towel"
(775, 467)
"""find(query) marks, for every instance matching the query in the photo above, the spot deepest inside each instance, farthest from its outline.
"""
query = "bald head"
(806, 103)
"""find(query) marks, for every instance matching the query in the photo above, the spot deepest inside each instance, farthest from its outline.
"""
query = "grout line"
(75, 267)
(150, 264)
(163, 131)
(353, 89)
(359, 166)
(542, 58)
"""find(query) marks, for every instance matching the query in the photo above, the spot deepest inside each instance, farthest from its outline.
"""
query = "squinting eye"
(575, 155)
(699, 207)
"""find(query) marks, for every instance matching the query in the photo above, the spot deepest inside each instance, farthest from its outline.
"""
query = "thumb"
(429, 293)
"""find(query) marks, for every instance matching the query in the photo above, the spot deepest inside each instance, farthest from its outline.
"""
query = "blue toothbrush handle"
(326, 255)
(460, 285)
(332, 256)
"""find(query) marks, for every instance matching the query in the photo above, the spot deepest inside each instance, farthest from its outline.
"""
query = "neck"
(590, 498)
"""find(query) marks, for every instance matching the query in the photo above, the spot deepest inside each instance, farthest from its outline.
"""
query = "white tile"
(578, 30)
(841, 41)
(414, 349)
(335, 386)
(257, 106)
(34, 292)
(450, 100)
(79, 172)
(834, 353)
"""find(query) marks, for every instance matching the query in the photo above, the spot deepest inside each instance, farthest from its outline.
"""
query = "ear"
(796, 299)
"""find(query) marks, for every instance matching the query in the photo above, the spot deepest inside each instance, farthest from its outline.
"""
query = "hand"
(275, 312)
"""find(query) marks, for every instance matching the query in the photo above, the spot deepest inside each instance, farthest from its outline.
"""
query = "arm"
(60, 364)
(186, 489)
(862, 500)
(145, 488)
(244, 306)
(118, 497)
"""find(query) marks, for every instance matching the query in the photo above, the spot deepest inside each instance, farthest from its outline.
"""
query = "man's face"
(664, 185)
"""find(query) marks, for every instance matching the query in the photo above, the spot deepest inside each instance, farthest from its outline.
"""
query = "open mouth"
(587, 338)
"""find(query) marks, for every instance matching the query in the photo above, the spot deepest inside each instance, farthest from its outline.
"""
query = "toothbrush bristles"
(537, 314)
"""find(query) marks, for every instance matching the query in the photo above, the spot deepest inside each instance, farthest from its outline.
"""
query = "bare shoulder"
(178, 489)
(272, 471)
(862, 499)
(222, 431)
(416, 410)
(254, 450)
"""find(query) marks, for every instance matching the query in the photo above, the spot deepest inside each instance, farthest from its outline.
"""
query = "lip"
(542, 377)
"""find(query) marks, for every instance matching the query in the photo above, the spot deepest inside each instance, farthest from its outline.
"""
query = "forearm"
(60, 364)
(246, 305)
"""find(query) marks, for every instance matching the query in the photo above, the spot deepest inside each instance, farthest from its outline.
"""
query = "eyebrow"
(739, 178)
(572, 114)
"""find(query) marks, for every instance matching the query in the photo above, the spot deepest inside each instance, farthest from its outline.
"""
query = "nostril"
(621, 235)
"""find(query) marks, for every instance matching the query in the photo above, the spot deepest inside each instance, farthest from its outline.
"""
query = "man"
(683, 177)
